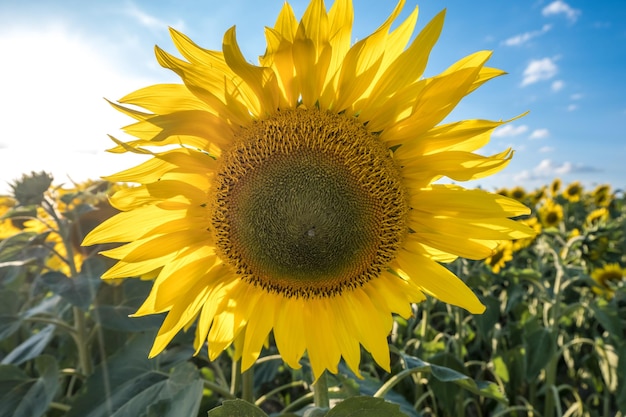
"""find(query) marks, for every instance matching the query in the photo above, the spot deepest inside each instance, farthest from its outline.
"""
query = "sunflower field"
(295, 243)
(550, 343)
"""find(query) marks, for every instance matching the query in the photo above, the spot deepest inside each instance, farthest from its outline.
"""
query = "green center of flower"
(308, 204)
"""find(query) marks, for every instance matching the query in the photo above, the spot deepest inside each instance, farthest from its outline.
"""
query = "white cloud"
(557, 85)
(572, 107)
(539, 134)
(539, 70)
(576, 96)
(560, 7)
(149, 21)
(54, 115)
(546, 149)
(509, 130)
(522, 38)
(547, 169)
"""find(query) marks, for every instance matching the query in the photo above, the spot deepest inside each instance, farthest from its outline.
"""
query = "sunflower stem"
(247, 385)
(320, 392)
(235, 379)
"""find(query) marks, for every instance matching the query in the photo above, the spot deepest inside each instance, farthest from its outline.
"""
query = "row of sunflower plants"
(553, 334)
(550, 343)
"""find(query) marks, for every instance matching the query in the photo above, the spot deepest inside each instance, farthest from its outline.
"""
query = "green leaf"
(351, 386)
(31, 347)
(445, 374)
(28, 397)
(365, 407)
(540, 347)
(485, 323)
(117, 318)
(80, 290)
(181, 395)
(237, 408)
(132, 385)
(9, 319)
(607, 315)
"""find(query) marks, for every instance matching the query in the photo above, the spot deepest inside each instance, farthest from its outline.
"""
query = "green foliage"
(551, 341)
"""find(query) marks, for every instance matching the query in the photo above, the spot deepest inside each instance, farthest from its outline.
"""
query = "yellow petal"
(466, 135)
(361, 65)
(312, 52)
(289, 331)
(455, 201)
(437, 281)
(263, 96)
(456, 165)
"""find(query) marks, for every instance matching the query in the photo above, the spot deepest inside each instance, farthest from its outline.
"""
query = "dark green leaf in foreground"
(130, 384)
(31, 347)
(237, 408)
(22, 396)
(365, 407)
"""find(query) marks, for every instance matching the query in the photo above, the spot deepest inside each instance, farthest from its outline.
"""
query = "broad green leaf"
(365, 407)
(485, 322)
(237, 408)
(80, 290)
(117, 318)
(28, 397)
(31, 347)
(446, 374)
(9, 319)
(540, 347)
(182, 394)
(607, 314)
(130, 383)
(12, 248)
(352, 386)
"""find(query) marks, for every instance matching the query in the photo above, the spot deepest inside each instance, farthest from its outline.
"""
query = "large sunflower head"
(296, 196)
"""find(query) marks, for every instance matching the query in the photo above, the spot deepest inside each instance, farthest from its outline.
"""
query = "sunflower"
(597, 216)
(296, 197)
(502, 255)
(518, 193)
(555, 187)
(70, 210)
(539, 195)
(551, 214)
(602, 195)
(7, 227)
(535, 225)
(605, 279)
(573, 192)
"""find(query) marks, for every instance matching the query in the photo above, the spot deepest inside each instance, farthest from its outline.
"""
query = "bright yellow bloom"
(606, 278)
(573, 192)
(518, 193)
(539, 195)
(502, 255)
(602, 195)
(597, 216)
(555, 187)
(551, 214)
(297, 196)
(7, 227)
(63, 253)
(534, 224)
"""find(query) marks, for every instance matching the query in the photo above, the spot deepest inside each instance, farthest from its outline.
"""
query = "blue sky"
(566, 64)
